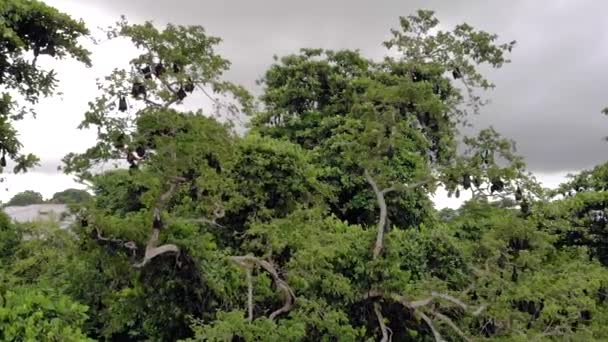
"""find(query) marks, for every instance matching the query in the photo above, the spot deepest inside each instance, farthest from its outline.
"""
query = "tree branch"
(130, 245)
(382, 220)
(288, 294)
(153, 103)
(152, 250)
(416, 306)
(449, 322)
(429, 323)
(218, 213)
(383, 327)
(249, 295)
(379, 245)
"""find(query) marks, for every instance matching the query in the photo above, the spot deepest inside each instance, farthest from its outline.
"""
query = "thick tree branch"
(152, 248)
(379, 245)
(429, 323)
(152, 251)
(382, 220)
(287, 293)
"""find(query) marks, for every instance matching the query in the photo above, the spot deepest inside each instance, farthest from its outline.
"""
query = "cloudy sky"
(548, 99)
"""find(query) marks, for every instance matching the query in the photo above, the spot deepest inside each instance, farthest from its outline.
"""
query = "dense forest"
(317, 223)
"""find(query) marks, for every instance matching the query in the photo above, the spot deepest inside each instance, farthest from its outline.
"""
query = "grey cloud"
(548, 99)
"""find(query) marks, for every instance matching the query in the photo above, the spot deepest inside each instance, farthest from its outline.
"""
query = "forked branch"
(248, 262)
(416, 308)
(152, 248)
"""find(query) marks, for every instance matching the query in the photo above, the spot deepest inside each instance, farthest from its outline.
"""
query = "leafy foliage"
(71, 196)
(317, 224)
(26, 198)
(32, 314)
(30, 28)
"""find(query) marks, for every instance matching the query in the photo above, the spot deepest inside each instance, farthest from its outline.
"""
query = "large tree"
(341, 138)
(316, 224)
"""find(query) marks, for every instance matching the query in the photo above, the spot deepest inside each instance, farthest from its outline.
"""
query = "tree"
(317, 164)
(30, 30)
(27, 197)
(317, 223)
(71, 196)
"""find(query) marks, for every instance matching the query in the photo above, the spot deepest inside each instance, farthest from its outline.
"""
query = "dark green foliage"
(10, 236)
(34, 314)
(27, 197)
(71, 196)
(317, 224)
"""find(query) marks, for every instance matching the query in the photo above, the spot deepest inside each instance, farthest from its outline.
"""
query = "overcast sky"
(548, 99)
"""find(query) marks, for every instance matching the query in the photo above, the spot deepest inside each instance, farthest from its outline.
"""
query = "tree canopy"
(25, 198)
(71, 196)
(317, 223)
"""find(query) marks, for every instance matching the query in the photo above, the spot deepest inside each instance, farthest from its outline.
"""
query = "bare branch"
(156, 251)
(383, 327)
(287, 293)
(288, 297)
(152, 251)
(130, 245)
(218, 213)
(429, 323)
(152, 248)
(416, 306)
(389, 190)
(382, 220)
(419, 303)
(379, 245)
(454, 300)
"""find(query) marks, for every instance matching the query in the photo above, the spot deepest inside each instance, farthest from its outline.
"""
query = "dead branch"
(287, 293)
(383, 327)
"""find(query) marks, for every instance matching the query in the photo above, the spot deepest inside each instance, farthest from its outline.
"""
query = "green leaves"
(35, 314)
(276, 235)
(31, 28)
